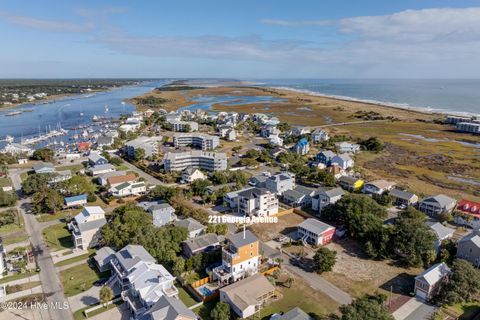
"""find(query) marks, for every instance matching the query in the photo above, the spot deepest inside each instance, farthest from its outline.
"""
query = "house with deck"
(429, 282)
(85, 227)
(315, 232)
(468, 248)
(435, 205)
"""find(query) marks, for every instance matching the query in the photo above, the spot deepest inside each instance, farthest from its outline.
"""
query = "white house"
(193, 227)
(85, 227)
(346, 147)
(377, 187)
(320, 135)
(191, 174)
(128, 189)
(343, 161)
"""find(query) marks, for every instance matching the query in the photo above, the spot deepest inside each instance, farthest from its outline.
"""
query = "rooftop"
(315, 226)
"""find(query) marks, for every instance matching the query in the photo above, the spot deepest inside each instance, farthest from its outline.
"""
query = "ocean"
(446, 96)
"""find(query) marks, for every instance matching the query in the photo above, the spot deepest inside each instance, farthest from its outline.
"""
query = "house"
(85, 227)
(257, 202)
(468, 214)
(377, 187)
(95, 159)
(343, 161)
(325, 157)
(259, 181)
(143, 281)
(59, 176)
(43, 167)
(101, 169)
(441, 233)
(193, 227)
(202, 243)
(102, 179)
(104, 141)
(119, 179)
(248, 296)
(280, 182)
(231, 198)
(74, 201)
(128, 189)
(231, 135)
(300, 196)
(346, 147)
(84, 146)
(293, 314)
(191, 174)
(162, 213)
(436, 205)
(169, 308)
(324, 198)
(402, 197)
(240, 258)
(351, 184)
(320, 135)
(275, 140)
(302, 147)
(429, 282)
(315, 232)
(102, 258)
(468, 248)
(298, 131)
(268, 130)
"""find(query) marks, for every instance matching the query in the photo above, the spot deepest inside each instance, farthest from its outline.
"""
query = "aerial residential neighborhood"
(227, 160)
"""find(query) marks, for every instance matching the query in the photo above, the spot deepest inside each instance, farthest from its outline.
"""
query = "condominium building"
(471, 127)
(184, 126)
(198, 140)
(240, 258)
(210, 161)
(257, 202)
(149, 144)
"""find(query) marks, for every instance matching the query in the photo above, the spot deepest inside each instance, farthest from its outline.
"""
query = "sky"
(248, 39)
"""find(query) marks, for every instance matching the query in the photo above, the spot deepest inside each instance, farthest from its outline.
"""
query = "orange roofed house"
(118, 180)
(240, 258)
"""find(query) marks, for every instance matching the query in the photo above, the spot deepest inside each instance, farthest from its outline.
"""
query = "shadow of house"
(401, 284)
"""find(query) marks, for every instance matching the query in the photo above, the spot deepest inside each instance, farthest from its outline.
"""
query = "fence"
(270, 271)
(200, 282)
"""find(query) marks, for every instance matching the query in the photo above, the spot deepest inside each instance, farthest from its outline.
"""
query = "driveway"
(414, 309)
(89, 297)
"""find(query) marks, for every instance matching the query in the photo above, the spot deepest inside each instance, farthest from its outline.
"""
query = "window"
(251, 254)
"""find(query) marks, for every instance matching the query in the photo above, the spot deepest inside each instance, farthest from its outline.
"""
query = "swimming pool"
(205, 291)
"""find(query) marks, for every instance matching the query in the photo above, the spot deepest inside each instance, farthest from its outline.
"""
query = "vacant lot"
(357, 275)
(285, 225)
(58, 237)
(79, 279)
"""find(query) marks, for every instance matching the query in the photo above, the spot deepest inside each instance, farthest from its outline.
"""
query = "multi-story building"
(257, 202)
(302, 147)
(210, 161)
(85, 227)
(142, 280)
(470, 127)
(240, 258)
(437, 204)
(149, 144)
(184, 126)
(320, 135)
(281, 182)
(198, 140)
(325, 197)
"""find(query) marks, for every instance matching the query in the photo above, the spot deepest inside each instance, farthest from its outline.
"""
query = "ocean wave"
(404, 106)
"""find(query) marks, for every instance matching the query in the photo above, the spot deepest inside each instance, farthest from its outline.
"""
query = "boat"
(81, 114)
(106, 108)
(8, 139)
(13, 113)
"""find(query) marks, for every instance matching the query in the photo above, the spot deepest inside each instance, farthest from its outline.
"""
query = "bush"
(91, 197)
(324, 260)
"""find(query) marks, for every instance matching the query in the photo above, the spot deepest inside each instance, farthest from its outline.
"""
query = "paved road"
(51, 285)
(148, 178)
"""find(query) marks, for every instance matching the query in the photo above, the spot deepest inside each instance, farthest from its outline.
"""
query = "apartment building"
(240, 258)
(198, 140)
(210, 161)
(183, 126)
(149, 144)
(470, 127)
(257, 202)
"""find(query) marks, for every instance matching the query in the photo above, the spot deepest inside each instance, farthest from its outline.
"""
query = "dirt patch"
(285, 225)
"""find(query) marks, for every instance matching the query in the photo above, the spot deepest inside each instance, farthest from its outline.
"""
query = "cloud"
(44, 24)
(96, 12)
(296, 23)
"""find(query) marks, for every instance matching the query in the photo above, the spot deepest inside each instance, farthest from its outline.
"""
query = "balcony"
(171, 291)
(134, 303)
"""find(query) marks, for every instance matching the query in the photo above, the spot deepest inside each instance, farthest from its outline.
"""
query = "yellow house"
(351, 183)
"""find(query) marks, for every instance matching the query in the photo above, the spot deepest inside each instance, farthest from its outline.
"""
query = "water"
(449, 96)
(206, 102)
(66, 112)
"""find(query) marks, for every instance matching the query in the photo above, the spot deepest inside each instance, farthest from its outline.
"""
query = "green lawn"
(17, 276)
(49, 217)
(75, 259)
(184, 296)
(121, 167)
(58, 237)
(73, 168)
(80, 278)
(14, 238)
(5, 182)
(204, 310)
(23, 176)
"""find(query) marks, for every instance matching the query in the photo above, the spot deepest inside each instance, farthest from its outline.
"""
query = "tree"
(105, 295)
(368, 307)
(76, 185)
(43, 154)
(7, 217)
(116, 161)
(219, 177)
(412, 238)
(7, 199)
(35, 182)
(463, 284)
(199, 187)
(239, 178)
(324, 260)
(221, 311)
(47, 201)
(164, 193)
(372, 144)
(139, 154)
(448, 250)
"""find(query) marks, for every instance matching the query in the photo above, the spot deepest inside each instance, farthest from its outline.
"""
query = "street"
(51, 285)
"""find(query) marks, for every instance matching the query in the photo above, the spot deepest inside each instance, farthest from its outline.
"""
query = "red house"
(469, 214)
(315, 232)
(84, 146)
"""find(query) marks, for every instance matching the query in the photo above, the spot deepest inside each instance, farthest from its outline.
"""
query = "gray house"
(402, 197)
(162, 213)
(469, 248)
(441, 232)
(202, 243)
(300, 196)
(325, 197)
(293, 314)
(437, 204)
(281, 182)
(194, 227)
(103, 257)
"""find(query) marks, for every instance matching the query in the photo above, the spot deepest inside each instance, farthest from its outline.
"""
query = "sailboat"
(106, 108)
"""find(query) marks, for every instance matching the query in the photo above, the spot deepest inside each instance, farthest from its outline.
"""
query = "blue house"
(94, 159)
(302, 146)
(74, 201)
(325, 157)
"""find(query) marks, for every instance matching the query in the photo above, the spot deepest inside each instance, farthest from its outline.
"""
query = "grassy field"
(50, 217)
(79, 279)
(75, 259)
(75, 168)
(5, 182)
(183, 295)
(17, 276)
(204, 310)
(58, 237)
